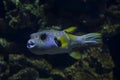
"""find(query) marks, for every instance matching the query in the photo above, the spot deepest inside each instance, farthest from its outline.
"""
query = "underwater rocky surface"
(22, 17)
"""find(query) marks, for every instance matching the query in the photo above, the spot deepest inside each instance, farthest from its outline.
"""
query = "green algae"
(110, 29)
(25, 74)
(23, 15)
(3, 42)
(40, 64)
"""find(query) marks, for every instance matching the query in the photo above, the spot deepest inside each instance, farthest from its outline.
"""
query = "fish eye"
(43, 36)
(57, 42)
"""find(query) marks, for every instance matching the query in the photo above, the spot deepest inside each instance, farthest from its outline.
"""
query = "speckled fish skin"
(48, 45)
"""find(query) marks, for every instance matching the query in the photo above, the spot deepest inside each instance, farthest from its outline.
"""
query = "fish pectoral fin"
(64, 41)
(64, 45)
(70, 29)
(76, 55)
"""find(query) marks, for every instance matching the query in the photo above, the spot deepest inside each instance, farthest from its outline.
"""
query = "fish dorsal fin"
(70, 29)
(75, 54)
(64, 41)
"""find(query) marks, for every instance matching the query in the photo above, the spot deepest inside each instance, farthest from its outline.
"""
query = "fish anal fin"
(76, 55)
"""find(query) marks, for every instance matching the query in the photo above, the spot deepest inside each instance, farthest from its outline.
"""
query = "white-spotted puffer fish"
(57, 42)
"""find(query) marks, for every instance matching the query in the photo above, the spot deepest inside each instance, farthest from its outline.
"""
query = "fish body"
(57, 42)
(49, 45)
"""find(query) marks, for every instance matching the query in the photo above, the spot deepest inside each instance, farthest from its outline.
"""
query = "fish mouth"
(30, 44)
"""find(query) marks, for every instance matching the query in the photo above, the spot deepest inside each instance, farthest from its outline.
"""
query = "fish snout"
(30, 44)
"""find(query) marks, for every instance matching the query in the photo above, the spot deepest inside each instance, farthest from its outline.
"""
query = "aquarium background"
(20, 18)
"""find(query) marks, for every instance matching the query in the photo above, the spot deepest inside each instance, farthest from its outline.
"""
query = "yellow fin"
(76, 55)
(64, 41)
(71, 37)
(70, 29)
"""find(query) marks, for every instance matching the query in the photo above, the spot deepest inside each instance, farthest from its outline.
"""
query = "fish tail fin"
(91, 39)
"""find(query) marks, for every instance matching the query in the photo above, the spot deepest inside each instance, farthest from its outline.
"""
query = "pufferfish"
(58, 42)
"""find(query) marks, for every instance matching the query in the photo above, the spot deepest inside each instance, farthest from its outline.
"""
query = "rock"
(25, 74)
